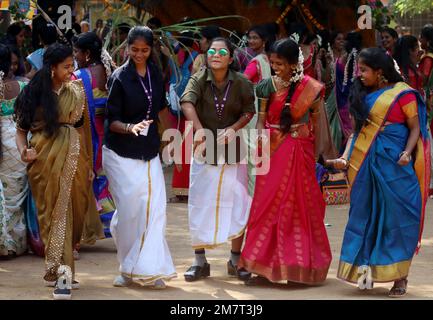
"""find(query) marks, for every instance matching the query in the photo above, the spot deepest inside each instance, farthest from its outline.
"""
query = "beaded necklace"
(219, 107)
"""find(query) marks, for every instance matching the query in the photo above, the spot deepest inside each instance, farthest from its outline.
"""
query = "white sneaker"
(122, 281)
(62, 294)
(75, 284)
(158, 285)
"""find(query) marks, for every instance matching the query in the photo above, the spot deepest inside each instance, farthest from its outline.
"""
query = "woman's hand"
(339, 164)
(405, 158)
(136, 128)
(28, 155)
(226, 136)
(200, 148)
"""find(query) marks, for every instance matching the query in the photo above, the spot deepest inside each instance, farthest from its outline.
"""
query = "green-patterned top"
(7, 106)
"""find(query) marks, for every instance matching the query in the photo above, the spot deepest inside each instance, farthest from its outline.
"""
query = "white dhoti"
(218, 204)
(138, 224)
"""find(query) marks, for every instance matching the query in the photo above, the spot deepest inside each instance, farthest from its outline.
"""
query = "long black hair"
(377, 59)
(39, 92)
(427, 34)
(141, 32)
(89, 41)
(288, 50)
(402, 54)
(48, 34)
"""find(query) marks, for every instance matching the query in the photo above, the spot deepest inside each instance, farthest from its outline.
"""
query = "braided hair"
(288, 50)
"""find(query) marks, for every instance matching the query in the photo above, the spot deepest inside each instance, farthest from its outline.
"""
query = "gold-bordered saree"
(59, 178)
(387, 200)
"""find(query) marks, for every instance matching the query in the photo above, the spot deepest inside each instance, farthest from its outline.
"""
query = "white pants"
(218, 204)
(138, 224)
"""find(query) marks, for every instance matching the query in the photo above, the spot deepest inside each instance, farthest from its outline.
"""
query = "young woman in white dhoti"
(222, 101)
(133, 168)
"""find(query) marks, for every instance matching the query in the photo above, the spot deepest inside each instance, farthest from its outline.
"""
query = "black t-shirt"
(127, 102)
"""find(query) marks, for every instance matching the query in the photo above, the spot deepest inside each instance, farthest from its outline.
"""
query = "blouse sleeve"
(251, 71)
(426, 66)
(409, 105)
(115, 101)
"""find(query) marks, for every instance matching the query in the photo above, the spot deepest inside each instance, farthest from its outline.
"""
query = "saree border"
(287, 273)
(380, 273)
(56, 243)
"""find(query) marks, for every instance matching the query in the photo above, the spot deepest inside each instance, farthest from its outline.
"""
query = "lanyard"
(147, 92)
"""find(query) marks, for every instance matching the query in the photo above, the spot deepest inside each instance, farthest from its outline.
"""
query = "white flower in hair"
(397, 68)
(319, 40)
(295, 37)
(353, 54)
(299, 71)
(107, 62)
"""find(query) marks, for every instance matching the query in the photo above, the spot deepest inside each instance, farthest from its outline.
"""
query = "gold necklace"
(281, 82)
(57, 92)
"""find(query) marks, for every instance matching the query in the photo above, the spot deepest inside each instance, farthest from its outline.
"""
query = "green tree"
(413, 6)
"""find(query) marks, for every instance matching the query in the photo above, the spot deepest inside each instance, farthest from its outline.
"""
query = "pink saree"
(286, 237)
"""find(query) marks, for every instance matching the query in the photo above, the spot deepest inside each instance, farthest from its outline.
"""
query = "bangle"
(406, 153)
(127, 128)
(262, 112)
(346, 162)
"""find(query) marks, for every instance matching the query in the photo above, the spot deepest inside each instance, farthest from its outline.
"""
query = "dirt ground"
(21, 278)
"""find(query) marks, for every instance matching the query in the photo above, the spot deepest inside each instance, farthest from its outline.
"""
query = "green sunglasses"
(222, 52)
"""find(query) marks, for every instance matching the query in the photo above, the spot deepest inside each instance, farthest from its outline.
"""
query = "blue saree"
(387, 200)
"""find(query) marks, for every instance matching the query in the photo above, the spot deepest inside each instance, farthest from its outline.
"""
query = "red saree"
(286, 237)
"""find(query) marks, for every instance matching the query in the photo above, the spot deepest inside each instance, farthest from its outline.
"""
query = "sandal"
(257, 281)
(398, 291)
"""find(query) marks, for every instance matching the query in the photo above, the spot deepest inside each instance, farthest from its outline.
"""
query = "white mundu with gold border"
(218, 204)
(138, 224)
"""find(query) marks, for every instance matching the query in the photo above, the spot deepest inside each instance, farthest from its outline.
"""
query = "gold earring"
(52, 74)
(87, 59)
(383, 80)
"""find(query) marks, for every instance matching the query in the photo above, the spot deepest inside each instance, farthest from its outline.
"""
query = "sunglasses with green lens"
(222, 52)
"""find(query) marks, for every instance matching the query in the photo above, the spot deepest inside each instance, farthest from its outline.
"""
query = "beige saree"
(59, 178)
